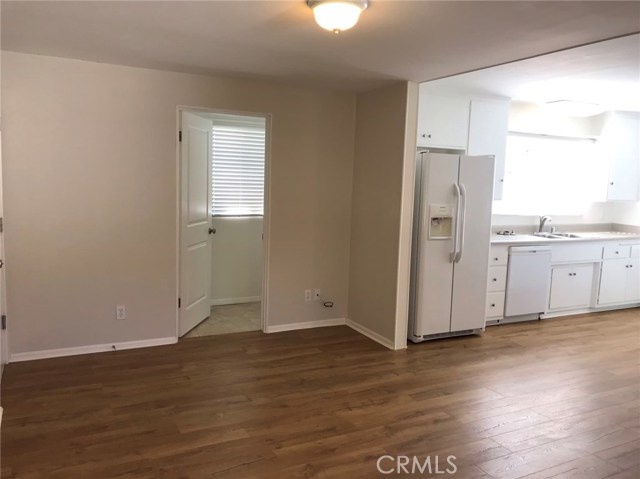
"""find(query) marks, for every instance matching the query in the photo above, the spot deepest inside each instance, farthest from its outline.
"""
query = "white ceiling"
(414, 40)
(607, 73)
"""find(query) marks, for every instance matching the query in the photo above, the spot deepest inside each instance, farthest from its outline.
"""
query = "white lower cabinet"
(495, 306)
(496, 283)
(613, 281)
(571, 286)
(584, 276)
(632, 291)
(619, 281)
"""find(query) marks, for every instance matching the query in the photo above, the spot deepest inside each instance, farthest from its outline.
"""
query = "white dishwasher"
(528, 279)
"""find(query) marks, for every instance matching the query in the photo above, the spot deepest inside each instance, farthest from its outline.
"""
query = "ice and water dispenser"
(440, 221)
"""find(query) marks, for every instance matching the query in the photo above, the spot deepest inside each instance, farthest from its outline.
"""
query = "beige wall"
(378, 211)
(89, 155)
(236, 260)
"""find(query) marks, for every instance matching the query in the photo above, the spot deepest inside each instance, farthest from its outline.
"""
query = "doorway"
(222, 222)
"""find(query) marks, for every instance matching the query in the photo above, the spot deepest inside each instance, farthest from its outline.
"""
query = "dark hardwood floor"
(557, 398)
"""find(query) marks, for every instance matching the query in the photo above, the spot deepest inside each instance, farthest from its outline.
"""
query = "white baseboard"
(388, 343)
(223, 301)
(599, 309)
(321, 323)
(95, 348)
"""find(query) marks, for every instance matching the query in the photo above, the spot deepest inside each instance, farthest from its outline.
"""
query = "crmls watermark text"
(413, 465)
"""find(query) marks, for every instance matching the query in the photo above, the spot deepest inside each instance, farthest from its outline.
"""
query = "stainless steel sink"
(567, 235)
(555, 235)
(547, 236)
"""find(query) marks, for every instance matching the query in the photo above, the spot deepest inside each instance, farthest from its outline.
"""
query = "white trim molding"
(597, 309)
(95, 348)
(321, 323)
(224, 301)
(378, 338)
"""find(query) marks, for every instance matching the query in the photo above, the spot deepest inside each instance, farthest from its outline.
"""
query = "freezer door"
(434, 274)
(472, 266)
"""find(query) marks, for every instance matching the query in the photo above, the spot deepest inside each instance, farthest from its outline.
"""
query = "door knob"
(212, 231)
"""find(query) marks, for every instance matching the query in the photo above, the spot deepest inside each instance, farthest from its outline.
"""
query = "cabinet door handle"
(611, 183)
(494, 279)
(493, 305)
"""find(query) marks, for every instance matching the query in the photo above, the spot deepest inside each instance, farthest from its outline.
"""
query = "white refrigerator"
(450, 254)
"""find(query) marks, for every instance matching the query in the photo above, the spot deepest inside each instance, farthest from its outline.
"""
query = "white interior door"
(195, 222)
(4, 350)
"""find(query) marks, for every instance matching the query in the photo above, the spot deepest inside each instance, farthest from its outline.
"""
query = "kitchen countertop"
(584, 236)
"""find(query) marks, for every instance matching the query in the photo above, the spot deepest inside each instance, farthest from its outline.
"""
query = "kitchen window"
(551, 175)
(237, 165)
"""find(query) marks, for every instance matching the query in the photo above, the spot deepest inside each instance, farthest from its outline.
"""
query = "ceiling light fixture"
(573, 108)
(337, 15)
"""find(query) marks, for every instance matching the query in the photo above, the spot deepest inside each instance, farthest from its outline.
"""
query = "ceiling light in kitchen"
(337, 15)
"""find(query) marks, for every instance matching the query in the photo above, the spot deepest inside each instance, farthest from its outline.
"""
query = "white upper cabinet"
(488, 127)
(620, 143)
(443, 121)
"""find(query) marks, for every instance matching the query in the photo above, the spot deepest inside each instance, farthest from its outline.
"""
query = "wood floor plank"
(549, 399)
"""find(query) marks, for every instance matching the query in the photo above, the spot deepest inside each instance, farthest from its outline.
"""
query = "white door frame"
(4, 335)
(264, 320)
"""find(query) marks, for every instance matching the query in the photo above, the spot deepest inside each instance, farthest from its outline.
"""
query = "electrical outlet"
(316, 295)
(121, 312)
(307, 295)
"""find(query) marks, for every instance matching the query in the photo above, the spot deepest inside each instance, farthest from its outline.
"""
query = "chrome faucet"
(543, 221)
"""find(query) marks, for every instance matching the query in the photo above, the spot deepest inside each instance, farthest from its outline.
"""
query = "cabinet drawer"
(635, 251)
(499, 256)
(497, 279)
(495, 305)
(614, 251)
(574, 253)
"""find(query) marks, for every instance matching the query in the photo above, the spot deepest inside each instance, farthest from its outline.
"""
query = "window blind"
(237, 165)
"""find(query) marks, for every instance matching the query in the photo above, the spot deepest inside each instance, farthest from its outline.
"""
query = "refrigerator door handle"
(463, 219)
(454, 253)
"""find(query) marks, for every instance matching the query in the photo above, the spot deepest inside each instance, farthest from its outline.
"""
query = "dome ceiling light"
(337, 15)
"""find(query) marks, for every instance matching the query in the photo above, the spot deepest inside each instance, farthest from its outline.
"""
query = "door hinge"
(180, 135)
(179, 302)
(1, 225)
(3, 322)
